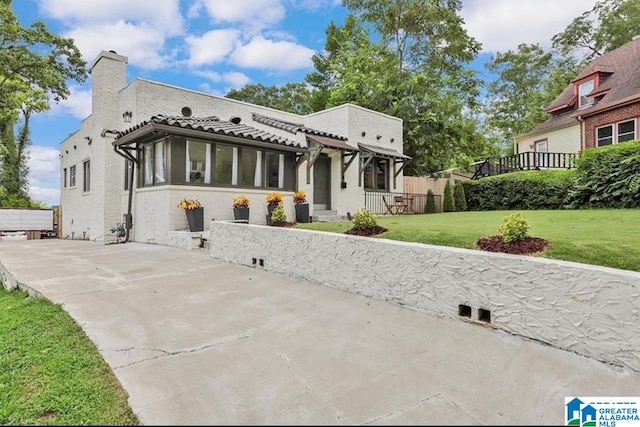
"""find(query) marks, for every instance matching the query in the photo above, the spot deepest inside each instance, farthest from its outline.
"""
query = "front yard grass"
(50, 372)
(604, 237)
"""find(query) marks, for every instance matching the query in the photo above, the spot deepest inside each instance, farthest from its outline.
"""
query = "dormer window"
(583, 90)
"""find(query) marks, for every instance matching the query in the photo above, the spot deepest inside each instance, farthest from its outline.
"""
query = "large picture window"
(251, 168)
(616, 133)
(274, 170)
(605, 135)
(198, 162)
(179, 161)
(154, 163)
(226, 165)
(627, 131)
(376, 174)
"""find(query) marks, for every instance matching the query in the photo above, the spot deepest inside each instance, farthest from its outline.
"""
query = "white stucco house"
(147, 145)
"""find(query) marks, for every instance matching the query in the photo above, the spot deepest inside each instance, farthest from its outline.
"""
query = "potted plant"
(273, 200)
(302, 206)
(194, 212)
(241, 208)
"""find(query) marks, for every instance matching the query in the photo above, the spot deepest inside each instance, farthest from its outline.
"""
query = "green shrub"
(448, 203)
(528, 190)
(278, 216)
(608, 177)
(514, 228)
(430, 206)
(363, 219)
(459, 198)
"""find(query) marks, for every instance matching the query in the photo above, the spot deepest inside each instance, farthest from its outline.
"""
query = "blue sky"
(217, 45)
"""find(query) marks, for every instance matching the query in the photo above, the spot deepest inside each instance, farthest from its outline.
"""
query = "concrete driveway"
(194, 340)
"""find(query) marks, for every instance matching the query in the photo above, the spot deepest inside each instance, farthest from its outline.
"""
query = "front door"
(541, 154)
(322, 183)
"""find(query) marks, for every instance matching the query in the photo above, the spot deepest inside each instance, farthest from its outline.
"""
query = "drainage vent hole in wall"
(464, 310)
(254, 261)
(261, 262)
(484, 315)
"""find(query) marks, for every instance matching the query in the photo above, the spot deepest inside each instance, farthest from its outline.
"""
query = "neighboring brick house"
(179, 143)
(600, 107)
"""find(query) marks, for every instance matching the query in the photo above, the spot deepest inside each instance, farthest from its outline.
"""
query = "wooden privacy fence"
(422, 185)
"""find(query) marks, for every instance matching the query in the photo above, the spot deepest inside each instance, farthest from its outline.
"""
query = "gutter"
(125, 152)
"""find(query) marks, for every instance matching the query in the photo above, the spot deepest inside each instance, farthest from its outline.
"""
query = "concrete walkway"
(197, 341)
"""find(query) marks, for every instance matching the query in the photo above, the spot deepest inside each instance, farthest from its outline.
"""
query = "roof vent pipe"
(235, 120)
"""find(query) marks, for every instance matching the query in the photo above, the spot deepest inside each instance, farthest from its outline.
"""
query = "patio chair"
(400, 204)
(390, 208)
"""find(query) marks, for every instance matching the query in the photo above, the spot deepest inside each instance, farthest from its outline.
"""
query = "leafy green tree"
(448, 201)
(416, 69)
(35, 65)
(430, 206)
(528, 80)
(13, 157)
(459, 198)
(607, 26)
(292, 97)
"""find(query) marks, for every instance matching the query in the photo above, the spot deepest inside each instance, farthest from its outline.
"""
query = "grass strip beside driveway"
(50, 372)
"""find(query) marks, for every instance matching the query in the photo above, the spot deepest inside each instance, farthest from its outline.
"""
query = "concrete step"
(327, 216)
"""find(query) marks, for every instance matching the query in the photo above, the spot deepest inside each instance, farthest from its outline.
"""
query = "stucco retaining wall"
(593, 311)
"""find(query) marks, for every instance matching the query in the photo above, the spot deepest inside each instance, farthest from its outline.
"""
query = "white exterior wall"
(590, 310)
(351, 121)
(101, 209)
(96, 211)
(156, 211)
(563, 140)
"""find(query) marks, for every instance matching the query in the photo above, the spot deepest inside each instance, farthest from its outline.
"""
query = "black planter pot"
(241, 214)
(302, 213)
(195, 217)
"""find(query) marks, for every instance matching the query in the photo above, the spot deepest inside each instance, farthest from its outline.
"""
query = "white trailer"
(13, 220)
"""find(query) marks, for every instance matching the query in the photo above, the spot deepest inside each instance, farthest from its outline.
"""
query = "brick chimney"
(109, 76)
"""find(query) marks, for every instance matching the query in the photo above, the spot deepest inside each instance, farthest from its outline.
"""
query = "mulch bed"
(284, 224)
(528, 246)
(367, 233)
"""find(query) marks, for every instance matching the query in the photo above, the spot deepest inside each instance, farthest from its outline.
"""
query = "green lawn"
(601, 237)
(50, 372)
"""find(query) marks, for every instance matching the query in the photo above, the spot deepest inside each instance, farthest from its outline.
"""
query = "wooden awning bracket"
(313, 155)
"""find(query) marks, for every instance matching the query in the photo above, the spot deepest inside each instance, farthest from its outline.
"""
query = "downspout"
(132, 159)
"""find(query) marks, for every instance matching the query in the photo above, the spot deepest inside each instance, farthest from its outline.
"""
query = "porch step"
(327, 216)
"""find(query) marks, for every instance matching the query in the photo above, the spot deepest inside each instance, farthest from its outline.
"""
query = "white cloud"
(78, 104)
(163, 14)
(314, 5)
(212, 47)
(44, 174)
(250, 13)
(141, 43)
(236, 79)
(272, 55)
(501, 25)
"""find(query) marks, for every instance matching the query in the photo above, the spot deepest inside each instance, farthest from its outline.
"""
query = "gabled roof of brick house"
(211, 124)
(618, 74)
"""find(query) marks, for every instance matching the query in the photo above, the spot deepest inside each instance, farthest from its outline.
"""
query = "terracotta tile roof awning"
(211, 125)
(331, 143)
(386, 152)
(292, 127)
